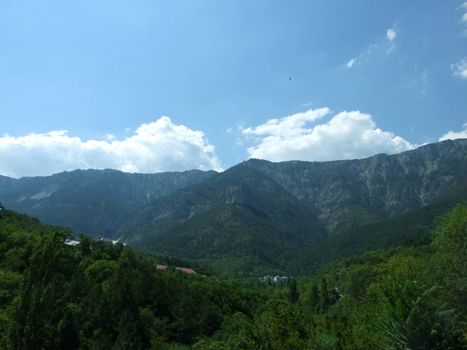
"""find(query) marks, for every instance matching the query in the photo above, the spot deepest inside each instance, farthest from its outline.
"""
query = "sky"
(150, 86)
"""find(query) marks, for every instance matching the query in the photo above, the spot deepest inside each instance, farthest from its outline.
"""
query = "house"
(274, 279)
(182, 269)
(110, 241)
(72, 242)
(185, 269)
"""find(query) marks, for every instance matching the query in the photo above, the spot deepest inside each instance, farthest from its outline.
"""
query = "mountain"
(6, 183)
(366, 190)
(263, 213)
(238, 219)
(413, 228)
(256, 215)
(96, 202)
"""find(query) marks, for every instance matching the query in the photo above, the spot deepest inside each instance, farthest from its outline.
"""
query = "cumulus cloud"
(452, 135)
(460, 69)
(391, 34)
(288, 125)
(154, 147)
(347, 135)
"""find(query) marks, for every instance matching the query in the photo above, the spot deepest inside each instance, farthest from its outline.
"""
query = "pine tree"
(314, 298)
(293, 294)
(323, 296)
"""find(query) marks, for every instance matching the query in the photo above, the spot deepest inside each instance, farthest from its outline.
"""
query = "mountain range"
(257, 215)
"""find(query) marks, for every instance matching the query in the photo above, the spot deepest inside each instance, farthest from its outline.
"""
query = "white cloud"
(153, 147)
(460, 69)
(391, 34)
(365, 55)
(307, 104)
(464, 18)
(452, 135)
(347, 135)
(351, 62)
(288, 125)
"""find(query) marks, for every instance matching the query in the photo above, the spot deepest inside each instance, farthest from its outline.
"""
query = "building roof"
(183, 269)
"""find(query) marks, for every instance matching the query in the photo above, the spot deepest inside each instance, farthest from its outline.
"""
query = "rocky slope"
(276, 209)
(370, 189)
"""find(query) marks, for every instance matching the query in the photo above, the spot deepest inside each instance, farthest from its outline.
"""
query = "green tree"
(42, 296)
(314, 298)
(293, 294)
(323, 295)
(450, 241)
(413, 318)
(280, 327)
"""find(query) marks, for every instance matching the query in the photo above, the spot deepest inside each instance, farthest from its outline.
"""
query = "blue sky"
(393, 74)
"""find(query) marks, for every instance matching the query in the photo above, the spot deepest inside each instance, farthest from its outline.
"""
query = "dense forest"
(102, 296)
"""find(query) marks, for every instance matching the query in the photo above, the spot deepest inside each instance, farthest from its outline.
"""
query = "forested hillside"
(102, 296)
(96, 202)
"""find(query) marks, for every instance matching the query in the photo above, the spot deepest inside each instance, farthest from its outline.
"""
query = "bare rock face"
(374, 188)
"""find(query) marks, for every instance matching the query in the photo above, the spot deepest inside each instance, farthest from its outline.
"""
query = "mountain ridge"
(303, 177)
(96, 202)
(257, 212)
(326, 199)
